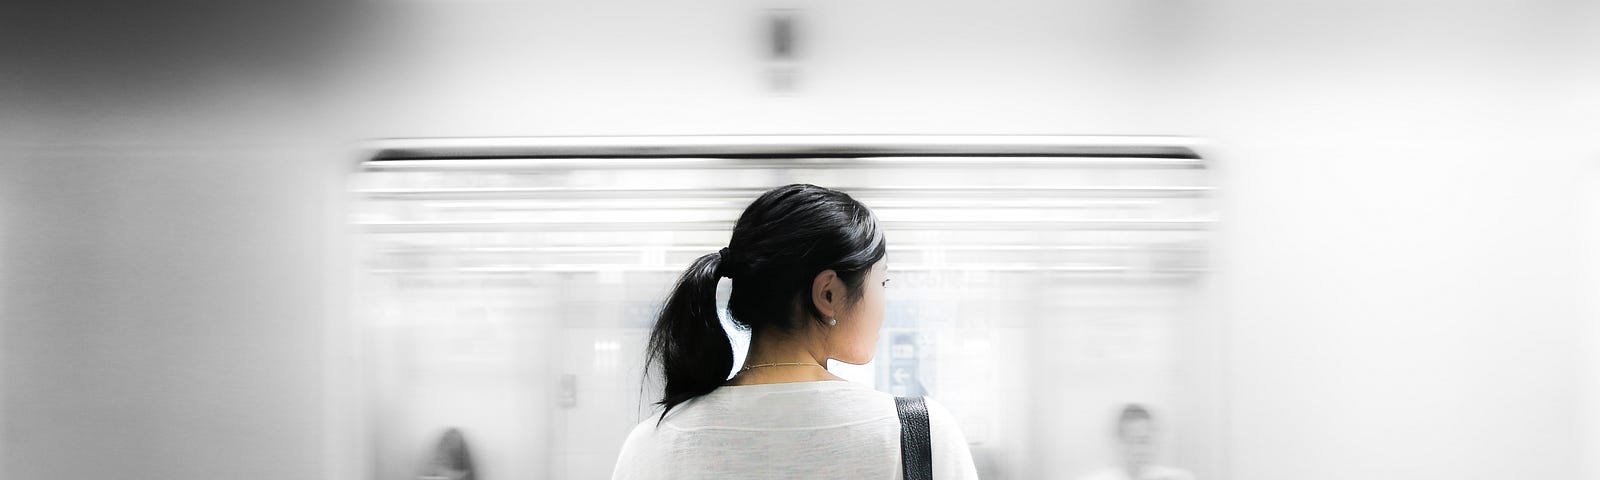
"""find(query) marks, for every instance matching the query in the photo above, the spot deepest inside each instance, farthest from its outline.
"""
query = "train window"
(1046, 289)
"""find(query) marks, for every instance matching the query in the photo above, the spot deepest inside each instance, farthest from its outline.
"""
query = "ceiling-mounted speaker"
(782, 48)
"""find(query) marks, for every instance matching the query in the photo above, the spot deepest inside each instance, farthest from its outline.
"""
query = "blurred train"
(1041, 284)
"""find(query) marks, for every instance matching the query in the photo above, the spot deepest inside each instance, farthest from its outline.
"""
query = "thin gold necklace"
(742, 370)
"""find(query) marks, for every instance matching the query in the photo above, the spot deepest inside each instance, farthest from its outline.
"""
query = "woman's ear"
(827, 292)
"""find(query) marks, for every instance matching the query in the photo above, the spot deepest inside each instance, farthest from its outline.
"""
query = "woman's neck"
(765, 349)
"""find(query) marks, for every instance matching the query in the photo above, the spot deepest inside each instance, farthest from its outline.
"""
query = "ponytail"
(688, 340)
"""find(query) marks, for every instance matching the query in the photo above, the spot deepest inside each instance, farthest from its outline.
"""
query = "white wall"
(1400, 270)
(163, 314)
(1402, 248)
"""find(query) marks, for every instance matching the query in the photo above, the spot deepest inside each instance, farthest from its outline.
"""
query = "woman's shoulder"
(941, 422)
(642, 433)
(952, 456)
(937, 409)
(638, 451)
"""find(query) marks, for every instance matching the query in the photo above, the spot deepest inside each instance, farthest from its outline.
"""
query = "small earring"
(833, 321)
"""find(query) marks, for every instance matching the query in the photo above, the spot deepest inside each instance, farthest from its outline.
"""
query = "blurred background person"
(1136, 435)
(451, 459)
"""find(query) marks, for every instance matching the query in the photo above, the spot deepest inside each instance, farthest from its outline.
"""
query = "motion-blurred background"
(1391, 271)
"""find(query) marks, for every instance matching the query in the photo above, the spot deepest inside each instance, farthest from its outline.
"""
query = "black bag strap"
(916, 439)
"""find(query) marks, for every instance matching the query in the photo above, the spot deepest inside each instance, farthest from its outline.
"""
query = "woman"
(808, 273)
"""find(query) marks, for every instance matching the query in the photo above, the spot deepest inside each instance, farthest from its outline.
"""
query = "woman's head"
(800, 255)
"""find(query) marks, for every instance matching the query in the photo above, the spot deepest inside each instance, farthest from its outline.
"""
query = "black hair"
(781, 242)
